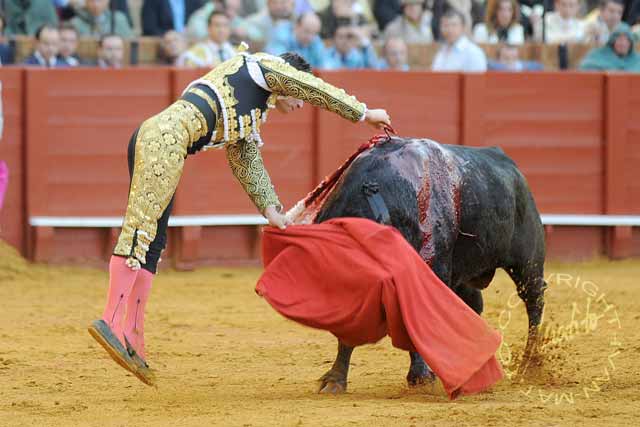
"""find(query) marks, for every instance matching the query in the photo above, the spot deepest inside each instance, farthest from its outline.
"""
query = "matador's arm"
(246, 164)
(284, 79)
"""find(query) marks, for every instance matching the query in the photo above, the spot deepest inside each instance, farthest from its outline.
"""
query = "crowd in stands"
(330, 34)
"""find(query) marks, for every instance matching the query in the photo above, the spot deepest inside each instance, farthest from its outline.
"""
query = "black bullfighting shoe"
(143, 371)
(102, 333)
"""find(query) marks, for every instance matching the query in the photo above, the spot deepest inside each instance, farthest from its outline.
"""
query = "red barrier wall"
(572, 134)
(12, 216)
(420, 105)
(622, 158)
(78, 128)
(552, 127)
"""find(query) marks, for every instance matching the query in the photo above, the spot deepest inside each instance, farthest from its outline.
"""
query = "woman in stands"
(501, 24)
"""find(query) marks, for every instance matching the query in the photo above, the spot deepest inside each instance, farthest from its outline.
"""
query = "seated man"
(303, 40)
(395, 55)
(617, 55)
(68, 45)
(111, 52)
(563, 25)
(351, 49)
(173, 45)
(26, 17)
(6, 50)
(457, 53)
(213, 51)
(609, 16)
(96, 20)
(508, 60)
(414, 25)
(47, 47)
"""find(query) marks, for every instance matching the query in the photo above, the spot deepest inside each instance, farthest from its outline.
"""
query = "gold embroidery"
(284, 79)
(244, 126)
(218, 78)
(161, 147)
(248, 167)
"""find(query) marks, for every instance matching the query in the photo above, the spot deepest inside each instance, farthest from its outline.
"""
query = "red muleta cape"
(362, 281)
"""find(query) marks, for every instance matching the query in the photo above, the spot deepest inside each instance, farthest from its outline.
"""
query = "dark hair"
(216, 13)
(296, 61)
(107, 36)
(4, 22)
(42, 28)
(603, 3)
(453, 13)
(67, 26)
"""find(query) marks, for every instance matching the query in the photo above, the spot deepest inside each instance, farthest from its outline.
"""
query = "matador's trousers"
(156, 156)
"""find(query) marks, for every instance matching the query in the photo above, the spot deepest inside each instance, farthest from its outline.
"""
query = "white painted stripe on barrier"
(591, 220)
(222, 220)
(175, 221)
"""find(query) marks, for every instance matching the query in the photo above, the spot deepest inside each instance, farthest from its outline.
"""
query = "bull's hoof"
(332, 383)
(421, 378)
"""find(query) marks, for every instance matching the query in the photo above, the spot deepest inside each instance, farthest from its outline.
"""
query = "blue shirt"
(178, 9)
(363, 57)
(283, 40)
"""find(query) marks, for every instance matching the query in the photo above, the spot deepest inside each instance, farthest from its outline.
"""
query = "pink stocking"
(121, 281)
(4, 181)
(134, 324)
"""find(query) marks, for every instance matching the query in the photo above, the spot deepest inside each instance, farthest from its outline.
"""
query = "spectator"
(278, 12)
(386, 11)
(303, 40)
(46, 50)
(213, 51)
(617, 55)
(173, 45)
(160, 16)
(458, 53)
(414, 25)
(68, 45)
(6, 51)
(340, 12)
(396, 56)
(95, 20)
(351, 49)
(471, 10)
(67, 8)
(197, 27)
(27, 17)
(502, 24)
(599, 30)
(562, 25)
(508, 60)
(111, 51)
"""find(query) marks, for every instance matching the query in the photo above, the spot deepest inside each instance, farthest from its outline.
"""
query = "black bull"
(467, 211)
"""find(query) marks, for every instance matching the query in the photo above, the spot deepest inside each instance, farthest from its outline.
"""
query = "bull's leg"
(419, 372)
(334, 381)
(472, 297)
(530, 285)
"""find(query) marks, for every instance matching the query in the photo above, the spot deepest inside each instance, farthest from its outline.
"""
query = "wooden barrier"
(622, 157)
(12, 216)
(572, 134)
(79, 124)
(420, 104)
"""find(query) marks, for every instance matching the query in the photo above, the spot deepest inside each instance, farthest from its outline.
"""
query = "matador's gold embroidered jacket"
(245, 87)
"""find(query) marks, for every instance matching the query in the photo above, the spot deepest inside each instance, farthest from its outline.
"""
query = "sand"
(224, 357)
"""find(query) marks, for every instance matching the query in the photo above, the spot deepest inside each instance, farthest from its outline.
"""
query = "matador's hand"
(275, 218)
(377, 118)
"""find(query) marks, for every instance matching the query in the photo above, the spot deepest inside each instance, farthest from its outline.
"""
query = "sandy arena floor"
(224, 357)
